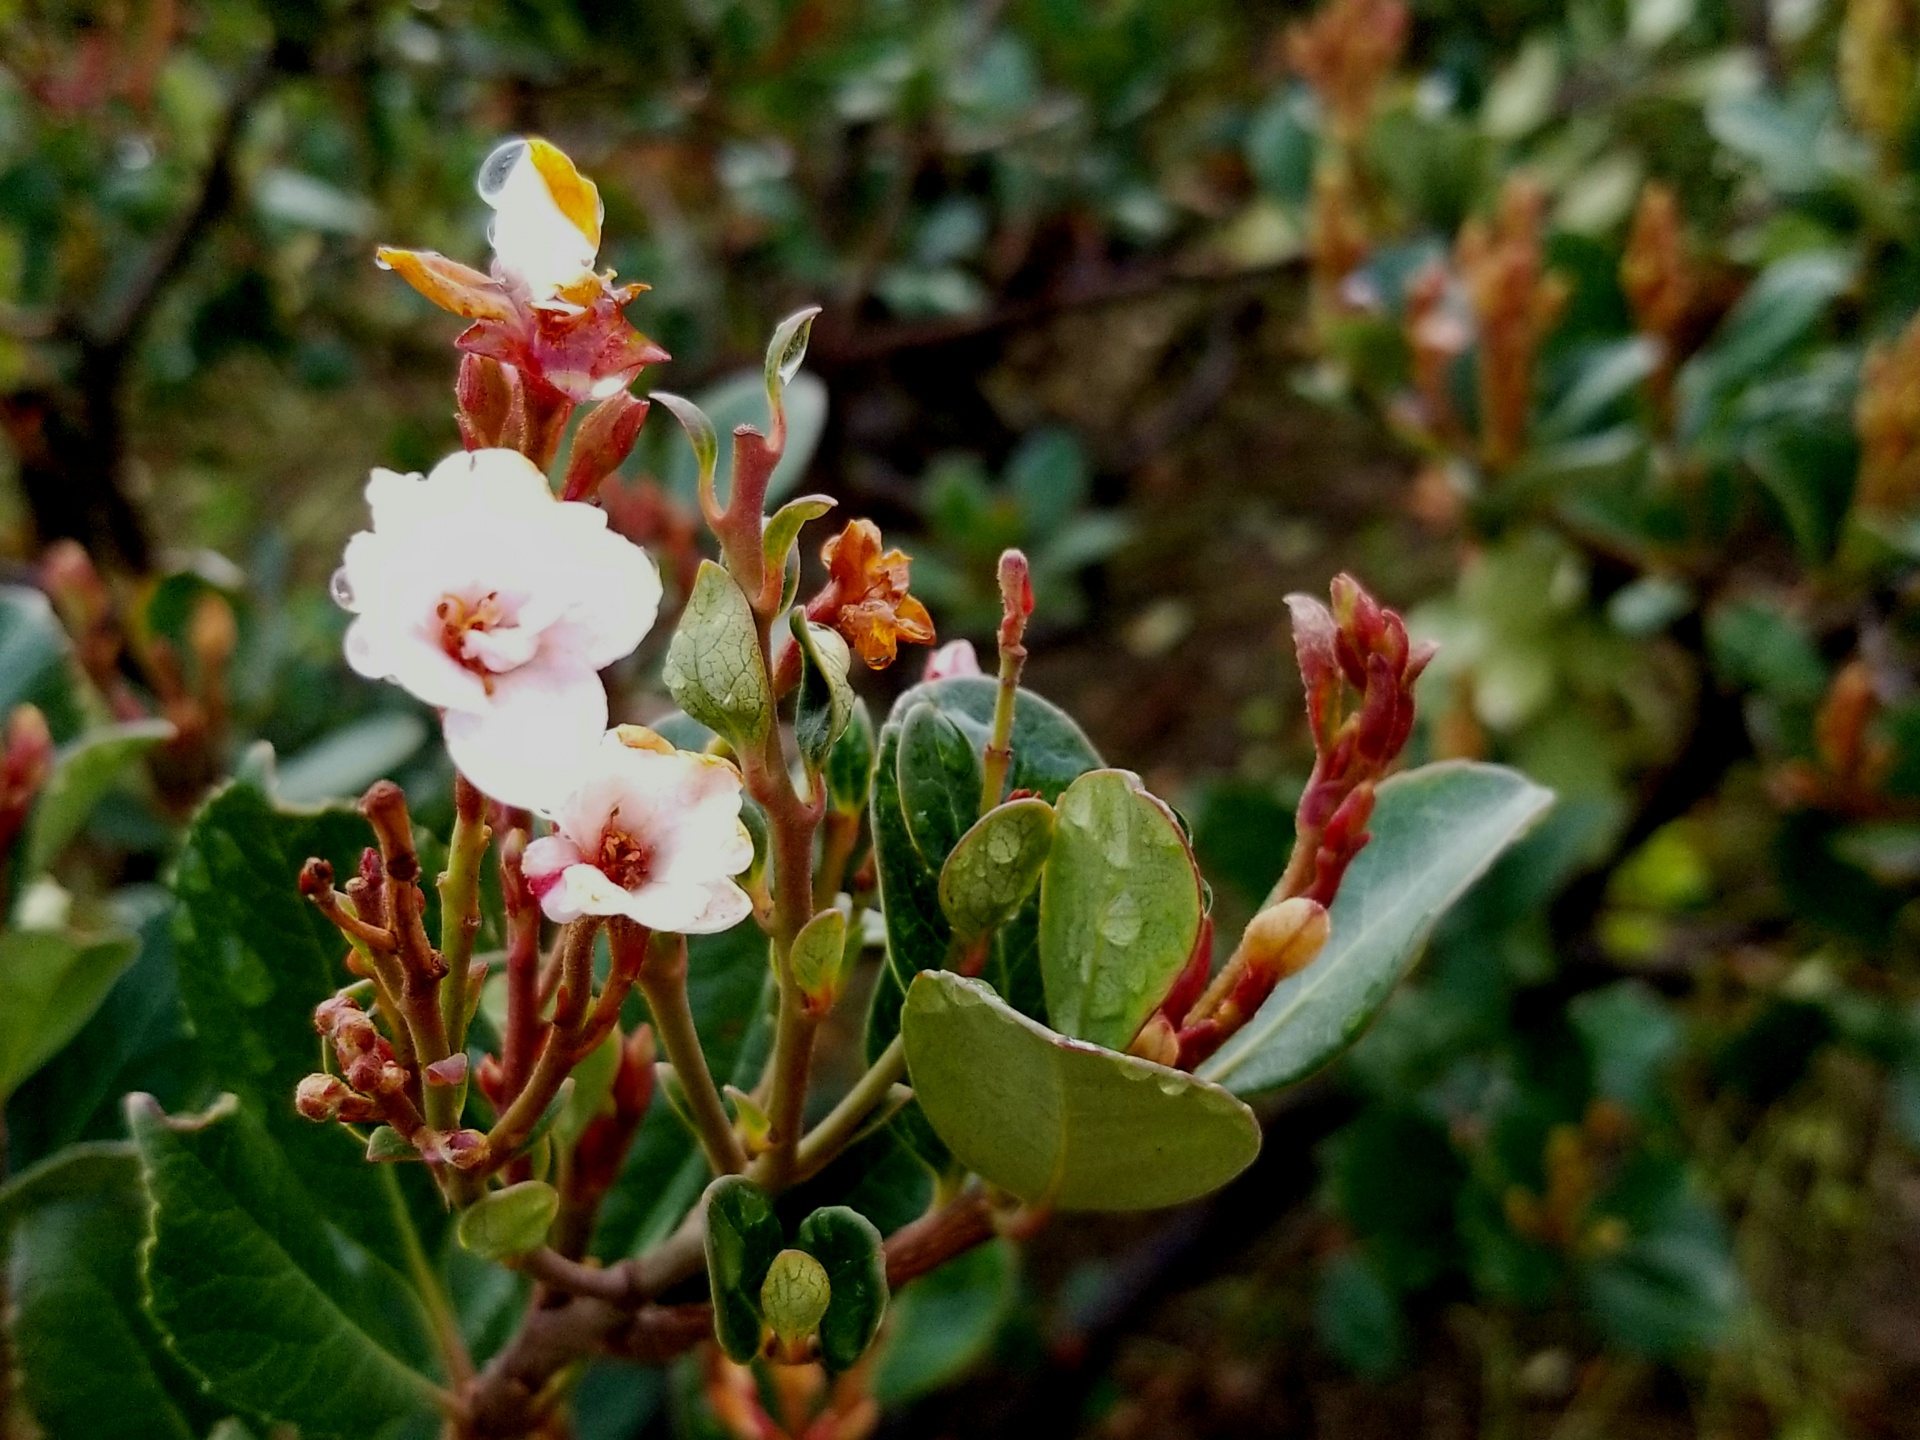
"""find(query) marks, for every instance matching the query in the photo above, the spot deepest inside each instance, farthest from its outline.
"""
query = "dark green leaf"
(944, 1322)
(847, 1245)
(743, 1236)
(36, 664)
(259, 1292)
(850, 766)
(83, 772)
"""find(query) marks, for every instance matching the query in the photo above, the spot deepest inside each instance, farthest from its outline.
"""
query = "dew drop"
(341, 588)
(495, 169)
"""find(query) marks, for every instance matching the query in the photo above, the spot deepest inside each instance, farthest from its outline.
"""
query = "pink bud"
(481, 398)
(24, 766)
(319, 1097)
(956, 657)
(450, 1071)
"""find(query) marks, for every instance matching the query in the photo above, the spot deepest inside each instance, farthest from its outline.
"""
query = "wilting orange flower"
(865, 597)
(1345, 52)
(544, 310)
(1515, 303)
(1887, 415)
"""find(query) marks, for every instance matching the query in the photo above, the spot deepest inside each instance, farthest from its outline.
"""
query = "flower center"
(460, 618)
(623, 859)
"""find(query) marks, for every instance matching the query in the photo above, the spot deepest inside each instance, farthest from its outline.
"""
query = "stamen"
(623, 859)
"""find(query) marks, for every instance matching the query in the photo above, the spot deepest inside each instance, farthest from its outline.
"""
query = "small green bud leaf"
(387, 1145)
(794, 1296)
(824, 704)
(714, 667)
(509, 1222)
(550, 1117)
(750, 1119)
(995, 866)
(784, 527)
(701, 434)
(817, 960)
(743, 1236)
(850, 764)
(854, 1264)
(787, 351)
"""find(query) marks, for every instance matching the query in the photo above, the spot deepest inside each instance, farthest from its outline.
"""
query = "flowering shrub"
(567, 1103)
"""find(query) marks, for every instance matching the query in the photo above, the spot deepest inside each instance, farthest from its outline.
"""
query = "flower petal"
(528, 745)
(448, 283)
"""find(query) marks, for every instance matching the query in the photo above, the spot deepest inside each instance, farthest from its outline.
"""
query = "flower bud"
(602, 443)
(448, 1072)
(25, 763)
(956, 657)
(793, 1300)
(320, 1097)
(481, 398)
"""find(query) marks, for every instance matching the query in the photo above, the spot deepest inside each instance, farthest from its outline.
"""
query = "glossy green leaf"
(714, 666)
(343, 764)
(260, 1293)
(938, 771)
(743, 1236)
(1120, 908)
(1778, 311)
(783, 527)
(90, 1364)
(846, 1243)
(509, 1221)
(994, 866)
(1061, 1122)
(83, 772)
(698, 463)
(943, 1323)
(824, 702)
(1435, 831)
(51, 982)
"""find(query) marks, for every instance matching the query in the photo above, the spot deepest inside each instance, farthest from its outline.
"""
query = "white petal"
(533, 239)
(583, 890)
(546, 858)
(527, 747)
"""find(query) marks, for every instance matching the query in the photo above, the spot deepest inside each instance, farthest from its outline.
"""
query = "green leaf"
(943, 1323)
(509, 1221)
(83, 772)
(714, 666)
(776, 542)
(743, 1236)
(704, 446)
(90, 1364)
(1120, 908)
(994, 867)
(36, 664)
(846, 1243)
(1777, 312)
(1061, 1122)
(50, 983)
(795, 1295)
(824, 703)
(939, 777)
(260, 1293)
(1435, 831)
(850, 765)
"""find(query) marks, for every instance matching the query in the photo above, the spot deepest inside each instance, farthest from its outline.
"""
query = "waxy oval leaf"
(743, 1236)
(995, 866)
(847, 1245)
(1435, 832)
(1061, 1122)
(939, 779)
(1120, 908)
(714, 666)
(83, 772)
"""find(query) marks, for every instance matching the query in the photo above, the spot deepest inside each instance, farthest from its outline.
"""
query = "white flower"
(546, 221)
(481, 594)
(653, 834)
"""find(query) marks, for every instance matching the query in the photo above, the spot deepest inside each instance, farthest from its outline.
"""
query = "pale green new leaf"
(1061, 1122)
(1435, 831)
(509, 1221)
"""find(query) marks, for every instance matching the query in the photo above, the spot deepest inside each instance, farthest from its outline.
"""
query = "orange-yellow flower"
(865, 597)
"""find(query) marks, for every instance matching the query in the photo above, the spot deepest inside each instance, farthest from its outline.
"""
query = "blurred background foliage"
(1582, 331)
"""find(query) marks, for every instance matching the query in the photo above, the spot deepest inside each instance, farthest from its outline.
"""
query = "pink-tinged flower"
(481, 594)
(648, 832)
(956, 657)
(543, 310)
